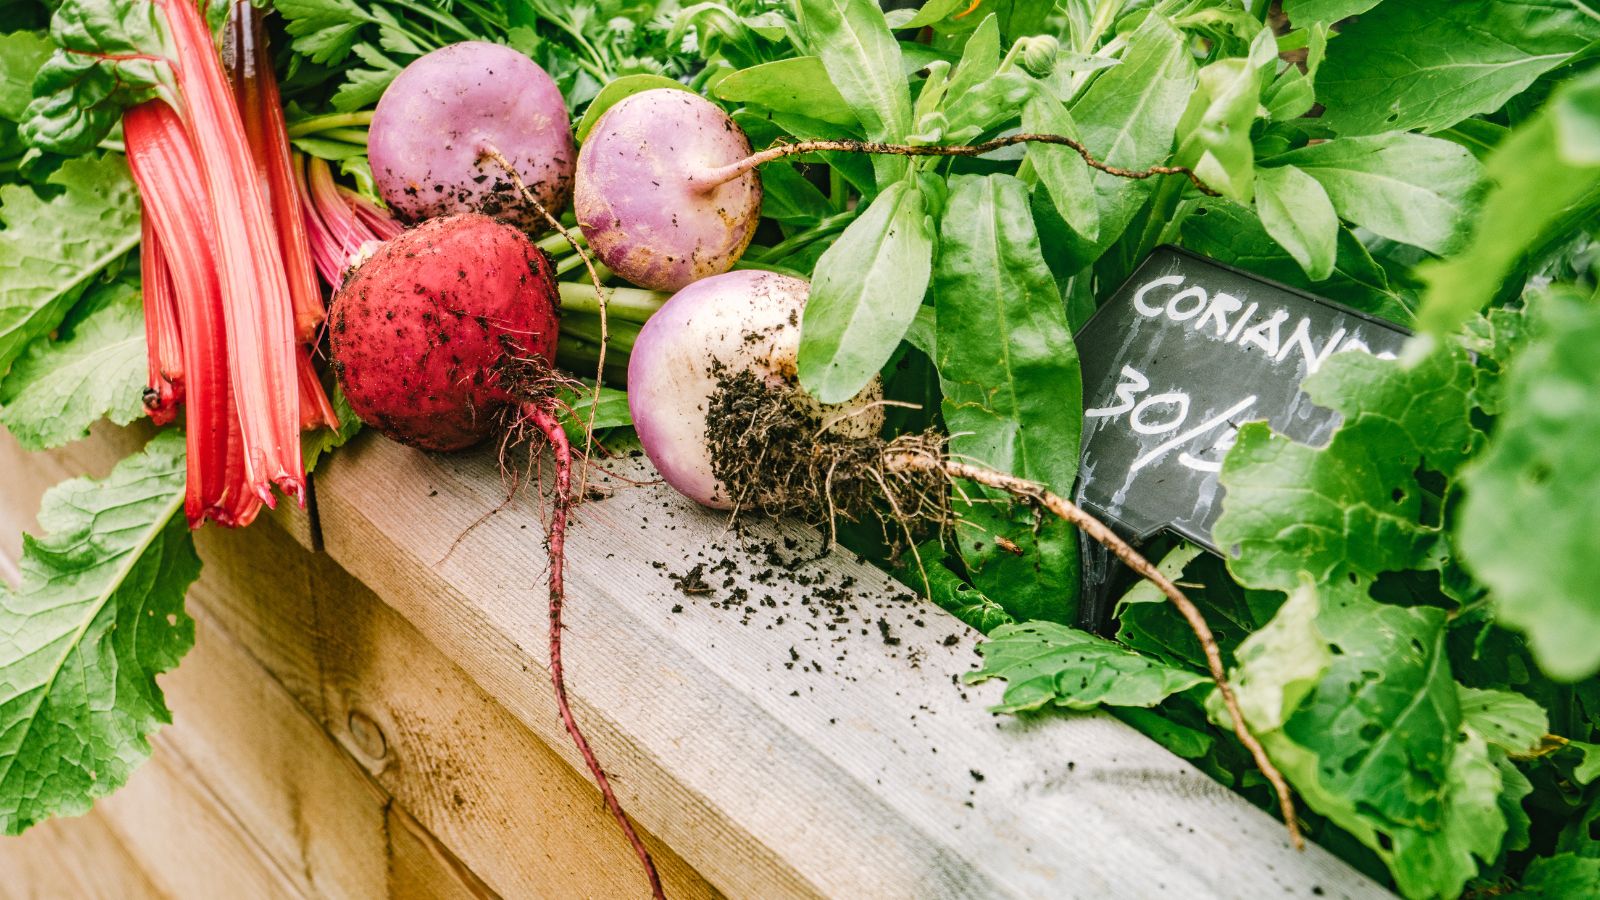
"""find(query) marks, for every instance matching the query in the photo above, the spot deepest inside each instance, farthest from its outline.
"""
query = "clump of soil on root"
(774, 454)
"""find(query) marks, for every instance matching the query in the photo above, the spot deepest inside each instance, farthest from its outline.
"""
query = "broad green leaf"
(980, 59)
(1589, 769)
(98, 616)
(1128, 117)
(1064, 174)
(929, 576)
(51, 248)
(1305, 12)
(1296, 211)
(1354, 508)
(628, 85)
(1560, 877)
(1546, 180)
(94, 368)
(863, 62)
(109, 56)
(1293, 93)
(1148, 623)
(1428, 64)
(1528, 526)
(1281, 663)
(1047, 664)
(1506, 719)
(1012, 390)
(786, 195)
(865, 293)
(797, 85)
(934, 11)
(1234, 234)
(1405, 187)
(21, 55)
(1214, 133)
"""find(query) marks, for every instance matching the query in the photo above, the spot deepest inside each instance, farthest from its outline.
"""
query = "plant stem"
(587, 328)
(332, 120)
(921, 459)
(628, 304)
(711, 178)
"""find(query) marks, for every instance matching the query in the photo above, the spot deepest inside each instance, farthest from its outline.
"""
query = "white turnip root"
(444, 335)
(436, 120)
(643, 217)
(727, 323)
(719, 410)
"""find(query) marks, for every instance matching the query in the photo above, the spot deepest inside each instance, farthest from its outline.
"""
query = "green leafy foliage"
(109, 56)
(94, 368)
(1428, 64)
(865, 293)
(862, 61)
(52, 246)
(1560, 876)
(1528, 525)
(1001, 335)
(21, 55)
(99, 614)
(1296, 211)
(1046, 664)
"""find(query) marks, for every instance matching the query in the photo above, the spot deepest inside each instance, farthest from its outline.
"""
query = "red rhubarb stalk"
(162, 337)
(255, 290)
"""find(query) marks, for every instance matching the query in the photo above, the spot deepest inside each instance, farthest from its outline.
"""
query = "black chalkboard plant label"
(1175, 361)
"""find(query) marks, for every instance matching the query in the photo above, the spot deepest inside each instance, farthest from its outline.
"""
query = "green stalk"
(620, 335)
(624, 304)
(330, 121)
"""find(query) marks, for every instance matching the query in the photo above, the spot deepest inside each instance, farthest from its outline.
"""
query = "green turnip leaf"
(1047, 664)
(98, 616)
(94, 368)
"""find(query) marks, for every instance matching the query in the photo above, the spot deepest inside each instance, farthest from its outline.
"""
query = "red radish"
(636, 203)
(436, 119)
(446, 334)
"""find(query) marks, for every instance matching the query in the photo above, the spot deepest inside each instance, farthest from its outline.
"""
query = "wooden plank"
(421, 868)
(80, 857)
(848, 773)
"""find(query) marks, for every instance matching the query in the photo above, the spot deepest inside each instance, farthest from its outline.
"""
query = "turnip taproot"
(666, 189)
(444, 335)
(436, 120)
(718, 409)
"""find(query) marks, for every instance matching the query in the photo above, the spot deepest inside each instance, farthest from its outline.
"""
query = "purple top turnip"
(639, 202)
(440, 114)
(744, 320)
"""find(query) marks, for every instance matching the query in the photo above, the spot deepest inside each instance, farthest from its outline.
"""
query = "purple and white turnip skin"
(743, 320)
(439, 115)
(636, 200)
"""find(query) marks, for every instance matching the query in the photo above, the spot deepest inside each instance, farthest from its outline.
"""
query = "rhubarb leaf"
(94, 368)
(99, 614)
(1052, 665)
(50, 249)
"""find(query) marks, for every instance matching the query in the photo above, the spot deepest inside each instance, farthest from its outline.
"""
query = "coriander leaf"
(1353, 509)
(363, 87)
(323, 30)
(95, 368)
(98, 615)
(1528, 526)
(865, 293)
(797, 85)
(51, 248)
(21, 55)
(1048, 664)
(1406, 187)
(863, 62)
(1013, 392)
(1428, 64)
(1128, 117)
(1296, 211)
(1546, 180)
(1234, 234)
(1506, 719)
(1561, 876)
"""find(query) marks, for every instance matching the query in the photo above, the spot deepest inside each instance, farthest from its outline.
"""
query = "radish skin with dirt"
(440, 116)
(638, 203)
(446, 336)
(739, 321)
